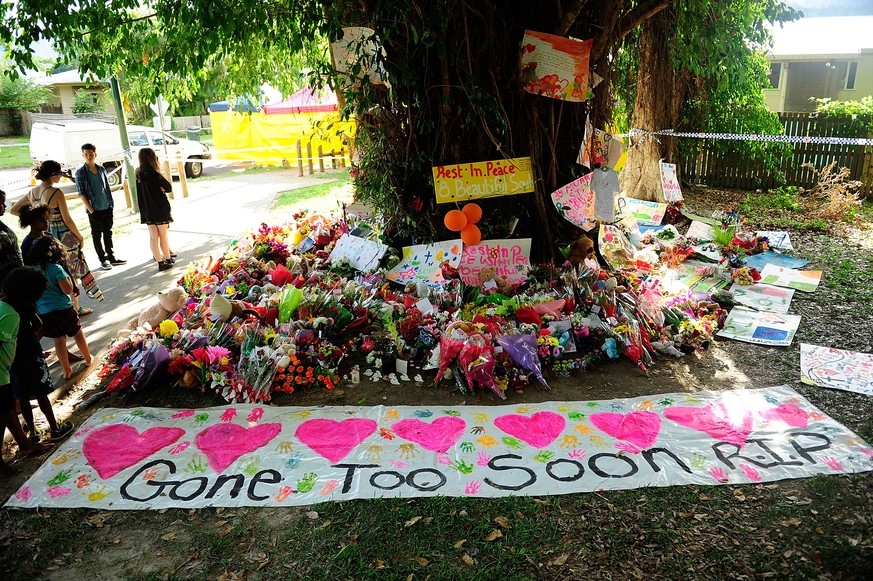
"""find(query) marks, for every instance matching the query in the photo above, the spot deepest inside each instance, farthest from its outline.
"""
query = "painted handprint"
(180, 447)
(183, 414)
(698, 461)
(473, 487)
(196, 465)
(665, 402)
(132, 415)
(300, 415)
(255, 415)
(719, 474)
(228, 414)
(252, 467)
(452, 413)
(576, 416)
(833, 463)
(82, 481)
(444, 459)
(24, 493)
(545, 456)
(616, 407)
(58, 491)
(483, 458)
(522, 409)
(67, 456)
(487, 442)
(466, 447)
(750, 472)
(582, 429)
(284, 493)
(386, 434)
(83, 432)
(645, 405)
(477, 430)
(408, 451)
(570, 442)
(398, 463)
(593, 404)
(576, 454)
(391, 416)
(294, 460)
(374, 453)
(201, 419)
(61, 477)
(328, 487)
(99, 494)
(307, 483)
(513, 443)
(151, 473)
(285, 447)
(423, 413)
(461, 466)
(597, 441)
(480, 418)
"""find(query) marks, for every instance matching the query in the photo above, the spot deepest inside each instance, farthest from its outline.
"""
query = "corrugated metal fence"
(713, 166)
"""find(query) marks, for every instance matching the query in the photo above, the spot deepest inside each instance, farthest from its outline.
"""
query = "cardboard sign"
(645, 212)
(836, 368)
(363, 254)
(762, 259)
(802, 280)
(669, 182)
(510, 259)
(423, 262)
(761, 328)
(247, 455)
(575, 202)
(485, 179)
(763, 297)
(554, 66)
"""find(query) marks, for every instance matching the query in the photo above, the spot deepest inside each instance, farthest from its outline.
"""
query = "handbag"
(69, 240)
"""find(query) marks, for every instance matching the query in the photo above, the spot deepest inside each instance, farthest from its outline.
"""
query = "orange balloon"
(455, 220)
(471, 235)
(473, 212)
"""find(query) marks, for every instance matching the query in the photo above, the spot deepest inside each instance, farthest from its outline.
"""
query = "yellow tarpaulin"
(270, 139)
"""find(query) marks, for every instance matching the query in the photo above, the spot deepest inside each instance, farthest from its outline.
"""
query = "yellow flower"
(230, 291)
(168, 328)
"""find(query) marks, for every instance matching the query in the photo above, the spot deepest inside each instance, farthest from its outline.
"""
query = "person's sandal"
(63, 431)
(85, 311)
(74, 357)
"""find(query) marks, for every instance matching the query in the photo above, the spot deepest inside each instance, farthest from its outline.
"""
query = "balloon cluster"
(464, 221)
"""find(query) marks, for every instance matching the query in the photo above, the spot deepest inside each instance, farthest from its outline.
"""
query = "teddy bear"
(503, 287)
(169, 301)
(580, 249)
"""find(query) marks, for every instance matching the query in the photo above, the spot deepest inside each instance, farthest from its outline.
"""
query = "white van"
(62, 141)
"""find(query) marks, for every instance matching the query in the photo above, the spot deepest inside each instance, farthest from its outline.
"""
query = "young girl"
(154, 207)
(61, 225)
(29, 372)
(55, 306)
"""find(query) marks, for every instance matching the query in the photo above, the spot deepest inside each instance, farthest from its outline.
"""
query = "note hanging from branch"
(358, 53)
(423, 262)
(485, 179)
(554, 66)
(575, 202)
(670, 182)
(510, 260)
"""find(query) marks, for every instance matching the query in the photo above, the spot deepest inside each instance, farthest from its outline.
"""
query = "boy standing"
(93, 185)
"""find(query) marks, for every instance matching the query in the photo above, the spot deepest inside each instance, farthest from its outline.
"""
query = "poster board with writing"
(646, 213)
(423, 262)
(510, 259)
(485, 179)
(554, 66)
(670, 182)
(362, 254)
(760, 328)
(575, 202)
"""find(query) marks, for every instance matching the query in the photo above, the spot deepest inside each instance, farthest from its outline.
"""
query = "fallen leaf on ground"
(422, 561)
(503, 521)
(312, 515)
(169, 537)
(559, 561)
(460, 543)
(412, 521)
(495, 534)
(468, 559)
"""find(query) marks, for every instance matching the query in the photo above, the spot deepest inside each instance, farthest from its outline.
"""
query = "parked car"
(62, 141)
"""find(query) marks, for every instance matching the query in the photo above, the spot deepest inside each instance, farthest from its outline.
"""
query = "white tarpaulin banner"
(276, 456)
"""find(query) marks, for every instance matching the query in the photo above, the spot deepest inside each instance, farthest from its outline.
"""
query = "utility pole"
(125, 143)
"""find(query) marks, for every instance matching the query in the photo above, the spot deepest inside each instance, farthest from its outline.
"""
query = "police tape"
(748, 137)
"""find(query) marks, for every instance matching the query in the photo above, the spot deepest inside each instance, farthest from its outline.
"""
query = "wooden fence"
(714, 167)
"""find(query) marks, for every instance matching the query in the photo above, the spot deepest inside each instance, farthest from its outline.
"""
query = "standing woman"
(154, 206)
(61, 226)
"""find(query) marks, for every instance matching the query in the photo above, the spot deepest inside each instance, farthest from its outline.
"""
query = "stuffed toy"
(580, 249)
(169, 301)
(503, 287)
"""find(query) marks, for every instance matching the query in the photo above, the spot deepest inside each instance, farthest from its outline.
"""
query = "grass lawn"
(14, 152)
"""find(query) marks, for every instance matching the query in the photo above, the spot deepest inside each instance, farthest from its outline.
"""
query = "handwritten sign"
(763, 297)
(554, 66)
(423, 262)
(362, 254)
(802, 280)
(575, 202)
(244, 455)
(670, 183)
(836, 368)
(761, 328)
(647, 213)
(510, 259)
(486, 179)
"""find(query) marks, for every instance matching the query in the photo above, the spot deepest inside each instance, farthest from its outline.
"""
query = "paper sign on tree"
(575, 202)
(486, 179)
(363, 254)
(358, 52)
(670, 183)
(510, 259)
(554, 66)
(423, 262)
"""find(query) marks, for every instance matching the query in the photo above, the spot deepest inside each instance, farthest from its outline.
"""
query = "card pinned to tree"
(802, 280)
(836, 368)
(554, 66)
(670, 182)
(760, 328)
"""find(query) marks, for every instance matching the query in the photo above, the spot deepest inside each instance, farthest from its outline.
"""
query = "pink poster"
(554, 66)
(575, 202)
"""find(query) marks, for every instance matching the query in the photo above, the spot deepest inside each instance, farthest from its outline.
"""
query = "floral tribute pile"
(273, 314)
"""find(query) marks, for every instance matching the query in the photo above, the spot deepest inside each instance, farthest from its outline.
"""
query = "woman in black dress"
(154, 206)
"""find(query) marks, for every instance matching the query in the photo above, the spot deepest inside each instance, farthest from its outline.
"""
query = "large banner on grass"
(276, 456)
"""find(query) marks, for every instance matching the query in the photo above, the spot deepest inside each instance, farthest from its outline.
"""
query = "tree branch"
(568, 17)
(114, 24)
(639, 15)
